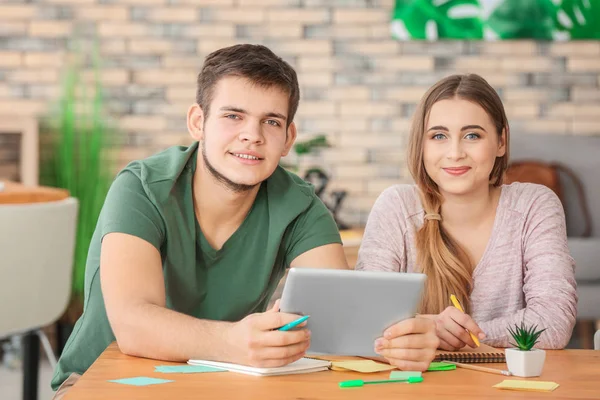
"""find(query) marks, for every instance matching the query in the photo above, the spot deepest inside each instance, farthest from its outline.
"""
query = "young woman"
(501, 249)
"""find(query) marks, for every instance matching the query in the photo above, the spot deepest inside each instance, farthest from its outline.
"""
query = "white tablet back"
(350, 309)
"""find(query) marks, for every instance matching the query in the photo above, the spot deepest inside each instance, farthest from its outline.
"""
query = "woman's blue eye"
(438, 136)
(472, 136)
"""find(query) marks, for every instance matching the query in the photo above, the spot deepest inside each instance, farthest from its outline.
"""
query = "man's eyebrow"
(242, 111)
(276, 115)
(234, 109)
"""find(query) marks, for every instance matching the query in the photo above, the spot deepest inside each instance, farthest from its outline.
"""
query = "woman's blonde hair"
(439, 256)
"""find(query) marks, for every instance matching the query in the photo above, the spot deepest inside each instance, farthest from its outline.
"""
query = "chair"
(37, 243)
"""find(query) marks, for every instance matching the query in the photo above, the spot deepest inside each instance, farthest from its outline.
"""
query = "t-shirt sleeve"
(127, 209)
(313, 228)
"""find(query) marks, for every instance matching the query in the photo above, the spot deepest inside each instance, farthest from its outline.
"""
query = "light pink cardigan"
(525, 274)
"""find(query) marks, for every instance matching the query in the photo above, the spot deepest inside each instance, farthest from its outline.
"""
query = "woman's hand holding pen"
(255, 340)
(451, 328)
(409, 344)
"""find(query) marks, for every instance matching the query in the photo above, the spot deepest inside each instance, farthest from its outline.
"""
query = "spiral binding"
(467, 358)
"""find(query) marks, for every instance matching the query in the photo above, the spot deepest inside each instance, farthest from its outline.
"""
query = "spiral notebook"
(481, 354)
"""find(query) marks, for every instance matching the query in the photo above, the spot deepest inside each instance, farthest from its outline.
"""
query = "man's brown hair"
(254, 62)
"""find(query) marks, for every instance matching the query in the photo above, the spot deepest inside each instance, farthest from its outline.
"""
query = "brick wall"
(359, 86)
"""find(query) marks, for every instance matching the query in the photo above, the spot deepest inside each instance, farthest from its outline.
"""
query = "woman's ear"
(195, 122)
(290, 138)
(502, 144)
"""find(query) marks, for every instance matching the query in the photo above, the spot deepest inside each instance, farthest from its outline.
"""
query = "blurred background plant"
(314, 172)
(501, 19)
(76, 136)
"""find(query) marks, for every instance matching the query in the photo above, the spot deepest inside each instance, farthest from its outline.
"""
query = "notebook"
(302, 366)
(481, 354)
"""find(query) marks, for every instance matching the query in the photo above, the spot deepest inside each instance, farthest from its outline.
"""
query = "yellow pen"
(456, 304)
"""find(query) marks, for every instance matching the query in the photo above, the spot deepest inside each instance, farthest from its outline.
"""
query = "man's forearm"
(156, 332)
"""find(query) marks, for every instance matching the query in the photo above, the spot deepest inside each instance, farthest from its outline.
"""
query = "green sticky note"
(141, 381)
(439, 366)
(186, 369)
(405, 374)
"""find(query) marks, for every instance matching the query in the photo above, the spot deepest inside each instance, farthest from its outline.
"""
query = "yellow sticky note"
(361, 366)
(528, 386)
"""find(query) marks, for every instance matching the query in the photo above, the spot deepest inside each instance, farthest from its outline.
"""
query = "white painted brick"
(370, 140)
(368, 109)
(583, 64)
(550, 126)
(585, 94)
(373, 48)
(361, 16)
(576, 48)
(238, 15)
(510, 47)
(316, 108)
(376, 186)
(317, 79)
(585, 127)
(527, 64)
(304, 16)
(406, 94)
(405, 63)
(345, 93)
(574, 110)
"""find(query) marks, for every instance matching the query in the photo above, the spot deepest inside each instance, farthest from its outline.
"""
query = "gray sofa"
(582, 155)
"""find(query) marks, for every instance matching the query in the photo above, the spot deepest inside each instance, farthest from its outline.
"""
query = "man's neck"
(217, 207)
(471, 209)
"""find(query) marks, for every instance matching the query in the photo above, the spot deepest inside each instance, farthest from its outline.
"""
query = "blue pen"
(294, 324)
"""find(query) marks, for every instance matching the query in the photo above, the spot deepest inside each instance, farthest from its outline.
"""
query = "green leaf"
(308, 146)
(580, 18)
(525, 337)
(518, 19)
(415, 14)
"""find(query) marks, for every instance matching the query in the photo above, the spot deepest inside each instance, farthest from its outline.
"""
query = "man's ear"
(289, 139)
(195, 122)
(502, 144)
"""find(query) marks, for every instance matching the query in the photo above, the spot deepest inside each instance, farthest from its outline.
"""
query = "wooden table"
(577, 372)
(16, 193)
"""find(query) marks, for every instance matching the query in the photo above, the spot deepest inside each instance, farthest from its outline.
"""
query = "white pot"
(525, 363)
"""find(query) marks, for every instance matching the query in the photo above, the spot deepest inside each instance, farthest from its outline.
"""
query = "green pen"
(360, 382)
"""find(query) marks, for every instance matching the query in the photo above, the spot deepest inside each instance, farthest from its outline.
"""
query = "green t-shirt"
(152, 199)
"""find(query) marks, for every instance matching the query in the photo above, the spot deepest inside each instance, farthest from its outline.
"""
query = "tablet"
(350, 309)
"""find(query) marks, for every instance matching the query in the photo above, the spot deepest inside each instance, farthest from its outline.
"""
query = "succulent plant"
(525, 337)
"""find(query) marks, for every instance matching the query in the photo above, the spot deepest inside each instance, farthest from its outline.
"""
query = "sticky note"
(141, 381)
(405, 374)
(528, 386)
(361, 366)
(439, 366)
(186, 369)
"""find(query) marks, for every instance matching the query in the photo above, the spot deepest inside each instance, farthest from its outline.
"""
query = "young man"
(192, 242)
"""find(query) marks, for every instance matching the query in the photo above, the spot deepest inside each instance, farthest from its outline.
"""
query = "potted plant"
(524, 360)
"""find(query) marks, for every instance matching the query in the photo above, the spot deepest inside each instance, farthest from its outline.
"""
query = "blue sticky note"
(141, 381)
(405, 374)
(186, 369)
